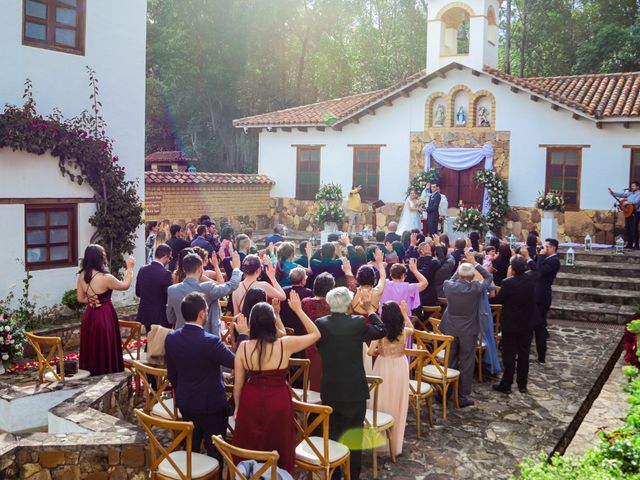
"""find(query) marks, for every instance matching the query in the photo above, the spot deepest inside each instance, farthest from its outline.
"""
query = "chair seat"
(49, 377)
(129, 358)
(424, 387)
(383, 419)
(440, 355)
(304, 452)
(312, 397)
(159, 411)
(201, 465)
(433, 372)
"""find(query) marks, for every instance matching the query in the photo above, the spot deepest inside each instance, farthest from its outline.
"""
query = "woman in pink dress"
(100, 342)
(392, 366)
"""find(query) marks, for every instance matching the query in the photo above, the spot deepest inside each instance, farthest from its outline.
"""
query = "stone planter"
(549, 225)
(329, 227)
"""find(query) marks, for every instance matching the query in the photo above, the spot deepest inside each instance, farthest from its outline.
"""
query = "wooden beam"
(575, 116)
(404, 93)
(354, 120)
(45, 201)
(554, 107)
(630, 146)
(475, 73)
(320, 129)
(599, 125)
(388, 102)
(423, 83)
(625, 124)
(458, 66)
(371, 111)
(296, 145)
(495, 81)
(372, 145)
(441, 74)
(515, 90)
(565, 145)
(286, 129)
(337, 128)
(533, 98)
(302, 129)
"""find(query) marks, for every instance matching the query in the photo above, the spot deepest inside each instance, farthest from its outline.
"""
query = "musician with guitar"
(629, 204)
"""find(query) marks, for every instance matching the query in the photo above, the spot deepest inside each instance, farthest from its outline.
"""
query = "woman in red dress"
(316, 307)
(100, 342)
(264, 410)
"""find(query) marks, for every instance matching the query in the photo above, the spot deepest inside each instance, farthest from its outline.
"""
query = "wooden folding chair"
(496, 313)
(318, 454)
(234, 455)
(438, 372)
(224, 306)
(377, 423)
(47, 372)
(432, 311)
(300, 368)
(129, 354)
(435, 324)
(156, 403)
(169, 463)
(419, 391)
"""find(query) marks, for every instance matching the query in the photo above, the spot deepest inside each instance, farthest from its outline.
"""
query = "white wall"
(32, 411)
(115, 48)
(605, 163)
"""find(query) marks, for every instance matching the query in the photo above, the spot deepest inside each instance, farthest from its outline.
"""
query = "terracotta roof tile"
(191, 178)
(597, 95)
(169, 156)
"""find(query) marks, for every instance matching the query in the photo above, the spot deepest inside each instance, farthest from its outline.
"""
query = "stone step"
(590, 311)
(598, 281)
(598, 295)
(604, 256)
(620, 270)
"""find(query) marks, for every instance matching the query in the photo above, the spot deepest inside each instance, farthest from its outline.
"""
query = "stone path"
(488, 440)
(608, 410)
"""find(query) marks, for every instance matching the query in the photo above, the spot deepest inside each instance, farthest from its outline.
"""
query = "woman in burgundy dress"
(100, 342)
(264, 410)
(316, 307)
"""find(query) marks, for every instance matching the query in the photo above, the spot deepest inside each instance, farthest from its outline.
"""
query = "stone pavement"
(488, 440)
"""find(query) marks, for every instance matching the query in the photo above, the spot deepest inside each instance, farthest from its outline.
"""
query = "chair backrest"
(416, 362)
(181, 432)
(436, 343)
(44, 363)
(231, 455)
(496, 313)
(374, 383)
(224, 306)
(153, 395)
(319, 414)
(432, 311)
(134, 336)
(299, 370)
(435, 324)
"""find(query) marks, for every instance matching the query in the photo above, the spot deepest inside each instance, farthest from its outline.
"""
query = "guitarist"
(632, 197)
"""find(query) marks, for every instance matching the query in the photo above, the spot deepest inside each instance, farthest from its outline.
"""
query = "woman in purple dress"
(100, 342)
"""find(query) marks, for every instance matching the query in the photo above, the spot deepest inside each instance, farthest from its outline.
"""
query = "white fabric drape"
(461, 159)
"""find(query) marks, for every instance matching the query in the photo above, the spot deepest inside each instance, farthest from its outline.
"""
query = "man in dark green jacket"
(344, 383)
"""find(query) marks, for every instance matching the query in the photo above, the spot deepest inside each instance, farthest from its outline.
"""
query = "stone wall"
(243, 206)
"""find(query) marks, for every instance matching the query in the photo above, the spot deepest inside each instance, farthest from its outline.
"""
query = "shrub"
(70, 300)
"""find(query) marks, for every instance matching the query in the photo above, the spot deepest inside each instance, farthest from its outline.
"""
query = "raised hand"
(275, 303)
(346, 266)
(294, 301)
(214, 259)
(241, 324)
(307, 249)
(413, 264)
(235, 260)
(378, 256)
(270, 270)
(130, 262)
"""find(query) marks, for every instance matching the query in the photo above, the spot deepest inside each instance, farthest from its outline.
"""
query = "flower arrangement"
(498, 197)
(420, 181)
(550, 201)
(470, 219)
(329, 198)
(12, 339)
(84, 154)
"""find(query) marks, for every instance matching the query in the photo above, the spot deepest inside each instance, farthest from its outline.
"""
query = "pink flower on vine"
(116, 159)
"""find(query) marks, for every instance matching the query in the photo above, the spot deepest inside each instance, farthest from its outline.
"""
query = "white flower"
(5, 356)
(7, 328)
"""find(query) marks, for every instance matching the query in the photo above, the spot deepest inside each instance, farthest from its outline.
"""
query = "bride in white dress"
(410, 217)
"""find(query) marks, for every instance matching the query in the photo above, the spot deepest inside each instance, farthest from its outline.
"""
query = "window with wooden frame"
(54, 24)
(634, 174)
(366, 171)
(563, 174)
(307, 172)
(50, 236)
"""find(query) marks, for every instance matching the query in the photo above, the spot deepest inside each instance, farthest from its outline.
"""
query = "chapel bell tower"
(464, 32)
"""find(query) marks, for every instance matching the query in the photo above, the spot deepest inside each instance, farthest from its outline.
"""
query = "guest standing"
(344, 384)
(100, 342)
(446, 269)
(518, 300)
(177, 243)
(201, 240)
(500, 264)
(298, 277)
(264, 409)
(399, 290)
(152, 283)
(461, 320)
(433, 208)
(252, 269)
(194, 358)
(285, 264)
(392, 366)
(276, 237)
(354, 208)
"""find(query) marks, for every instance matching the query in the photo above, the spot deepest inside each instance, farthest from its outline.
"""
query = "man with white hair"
(344, 383)
(462, 320)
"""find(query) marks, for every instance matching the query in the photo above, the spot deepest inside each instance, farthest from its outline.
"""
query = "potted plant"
(550, 203)
(12, 340)
(470, 219)
(329, 212)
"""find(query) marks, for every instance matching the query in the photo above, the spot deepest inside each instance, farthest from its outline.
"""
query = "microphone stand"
(613, 211)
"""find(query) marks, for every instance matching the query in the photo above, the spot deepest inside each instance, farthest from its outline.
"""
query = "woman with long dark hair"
(252, 269)
(501, 263)
(100, 342)
(264, 410)
(392, 366)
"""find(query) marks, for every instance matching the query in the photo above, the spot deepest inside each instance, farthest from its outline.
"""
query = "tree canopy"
(210, 61)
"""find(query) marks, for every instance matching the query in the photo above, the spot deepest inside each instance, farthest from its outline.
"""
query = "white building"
(51, 42)
(577, 134)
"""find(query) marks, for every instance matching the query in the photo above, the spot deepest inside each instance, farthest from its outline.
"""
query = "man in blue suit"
(192, 265)
(194, 358)
(152, 283)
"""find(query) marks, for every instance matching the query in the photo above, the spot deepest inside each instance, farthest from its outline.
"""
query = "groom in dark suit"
(344, 383)
(152, 283)
(194, 358)
(433, 209)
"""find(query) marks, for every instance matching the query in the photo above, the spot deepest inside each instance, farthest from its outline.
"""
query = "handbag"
(70, 368)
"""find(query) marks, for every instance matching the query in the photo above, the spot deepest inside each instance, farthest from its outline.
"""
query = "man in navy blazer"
(194, 358)
(152, 283)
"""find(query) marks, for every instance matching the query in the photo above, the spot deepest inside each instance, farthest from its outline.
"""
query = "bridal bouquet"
(421, 203)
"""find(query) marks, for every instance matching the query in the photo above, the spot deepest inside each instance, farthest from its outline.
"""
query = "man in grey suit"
(212, 291)
(462, 320)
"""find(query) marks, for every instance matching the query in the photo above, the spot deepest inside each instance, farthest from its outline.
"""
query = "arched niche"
(492, 25)
(484, 110)
(459, 101)
(436, 111)
(455, 18)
